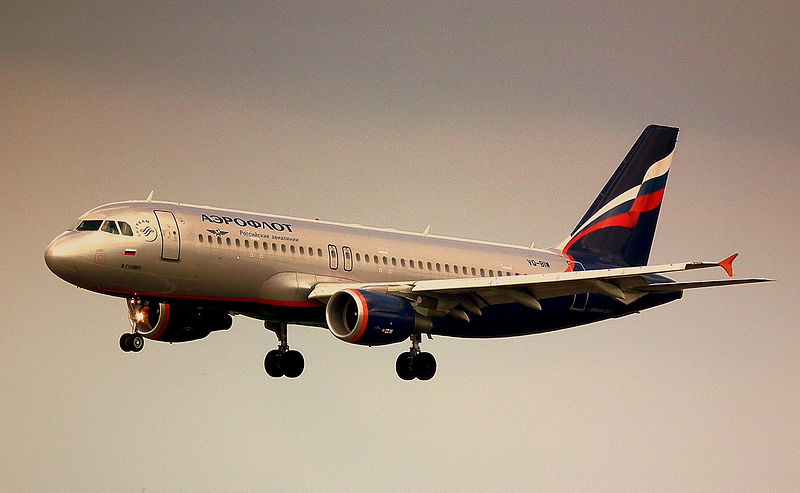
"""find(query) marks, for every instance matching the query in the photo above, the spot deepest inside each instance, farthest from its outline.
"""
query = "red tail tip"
(727, 264)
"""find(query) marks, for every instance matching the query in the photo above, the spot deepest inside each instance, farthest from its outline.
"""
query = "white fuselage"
(226, 256)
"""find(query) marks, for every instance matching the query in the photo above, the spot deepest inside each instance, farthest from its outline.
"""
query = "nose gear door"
(170, 235)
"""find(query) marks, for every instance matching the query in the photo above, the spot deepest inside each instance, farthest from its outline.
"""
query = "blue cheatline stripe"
(654, 184)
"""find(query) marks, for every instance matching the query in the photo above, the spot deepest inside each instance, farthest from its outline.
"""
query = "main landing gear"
(282, 362)
(415, 364)
(131, 342)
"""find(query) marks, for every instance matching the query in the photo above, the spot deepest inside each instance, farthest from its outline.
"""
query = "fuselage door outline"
(333, 257)
(170, 236)
(347, 256)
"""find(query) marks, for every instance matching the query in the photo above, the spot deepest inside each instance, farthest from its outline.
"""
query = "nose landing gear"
(414, 363)
(282, 362)
(131, 342)
(137, 313)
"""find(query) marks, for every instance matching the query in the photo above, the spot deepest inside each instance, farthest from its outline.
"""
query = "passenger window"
(491, 273)
(283, 247)
(110, 227)
(228, 241)
(411, 263)
(291, 248)
(447, 267)
(255, 245)
(302, 251)
(430, 267)
(366, 258)
(91, 225)
(247, 243)
(125, 228)
(200, 238)
(402, 262)
(438, 267)
(483, 273)
(394, 262)
(210, 240)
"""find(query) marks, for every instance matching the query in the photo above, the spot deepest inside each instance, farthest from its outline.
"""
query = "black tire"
(404, 366)
(272, 363)
(424, 366)
(136, 342)
(125, 342)
(292, 363)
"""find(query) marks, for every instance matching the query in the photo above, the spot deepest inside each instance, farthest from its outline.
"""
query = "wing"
(468, 295)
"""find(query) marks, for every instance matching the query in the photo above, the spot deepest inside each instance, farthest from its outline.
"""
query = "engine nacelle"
(371, 319)
(175, 323)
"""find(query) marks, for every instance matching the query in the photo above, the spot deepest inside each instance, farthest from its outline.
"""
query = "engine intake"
(175, 323)
(372, 319)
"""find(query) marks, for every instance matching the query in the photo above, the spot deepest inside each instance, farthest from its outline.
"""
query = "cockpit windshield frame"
(89, 225)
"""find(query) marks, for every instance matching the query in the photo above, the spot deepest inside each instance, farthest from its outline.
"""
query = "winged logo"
(217, 232)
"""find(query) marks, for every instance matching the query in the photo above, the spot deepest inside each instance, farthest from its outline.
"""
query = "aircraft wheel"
(424, 366)
(404, 366)
(292, 363)
(272, 363)
(124, 342)
(136, 342)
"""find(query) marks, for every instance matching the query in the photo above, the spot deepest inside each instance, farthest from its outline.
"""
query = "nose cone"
(62, 257)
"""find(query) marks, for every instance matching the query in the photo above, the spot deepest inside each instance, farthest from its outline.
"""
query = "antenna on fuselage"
(427, 230)
(149, 197)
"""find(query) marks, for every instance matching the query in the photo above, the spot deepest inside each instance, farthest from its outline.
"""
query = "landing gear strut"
(282, 361)
(415, 364)
(133, 342)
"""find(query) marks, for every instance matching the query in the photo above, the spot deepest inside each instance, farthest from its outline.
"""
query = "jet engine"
(175, 323)
(372, 319)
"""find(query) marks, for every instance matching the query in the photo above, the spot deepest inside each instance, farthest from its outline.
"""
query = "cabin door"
(170, 235)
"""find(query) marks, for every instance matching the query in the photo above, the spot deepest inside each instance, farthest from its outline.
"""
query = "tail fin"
(618, 228)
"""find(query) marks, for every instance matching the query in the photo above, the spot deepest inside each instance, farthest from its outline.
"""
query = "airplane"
(185, 270)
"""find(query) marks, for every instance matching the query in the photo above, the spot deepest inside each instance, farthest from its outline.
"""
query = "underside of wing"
(461, 296)
(680, 286)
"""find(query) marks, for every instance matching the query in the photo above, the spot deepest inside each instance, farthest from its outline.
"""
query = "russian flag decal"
(130, 251)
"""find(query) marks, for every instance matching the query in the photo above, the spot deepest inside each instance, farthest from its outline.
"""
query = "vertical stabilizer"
(619, 226)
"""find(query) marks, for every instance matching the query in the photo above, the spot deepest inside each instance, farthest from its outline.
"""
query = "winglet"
(727, 264)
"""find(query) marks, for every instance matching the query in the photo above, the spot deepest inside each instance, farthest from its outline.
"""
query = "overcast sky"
(496, 121)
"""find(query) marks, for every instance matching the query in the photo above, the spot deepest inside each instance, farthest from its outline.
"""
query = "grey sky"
(486, 120)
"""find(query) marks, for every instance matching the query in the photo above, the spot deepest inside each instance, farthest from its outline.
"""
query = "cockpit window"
(91, 225)
(110, 227)
(125, 228)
